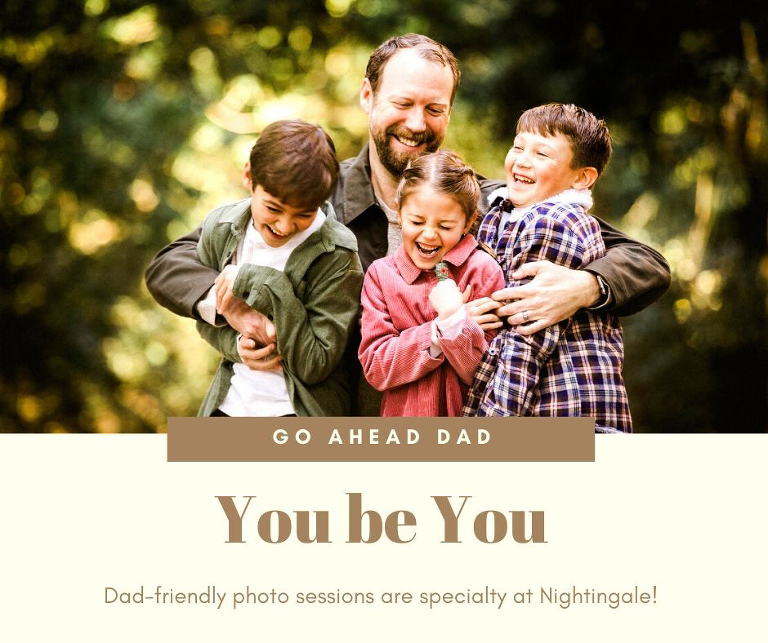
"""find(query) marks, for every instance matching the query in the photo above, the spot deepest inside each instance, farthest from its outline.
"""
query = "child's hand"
(239, 315)
(223, 285)
(481, 311)
(446, 298)
(258, 359)
(249, 322)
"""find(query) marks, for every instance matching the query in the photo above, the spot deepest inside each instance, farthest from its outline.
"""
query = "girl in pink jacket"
(421, 341)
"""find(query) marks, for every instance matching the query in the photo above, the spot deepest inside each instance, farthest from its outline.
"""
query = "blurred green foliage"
(123, 123)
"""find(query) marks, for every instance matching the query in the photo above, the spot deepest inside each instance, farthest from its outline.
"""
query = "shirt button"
(492, 352)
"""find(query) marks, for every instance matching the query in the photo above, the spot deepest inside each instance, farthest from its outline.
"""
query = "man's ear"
(247, 175)
(366, 96)
(585, 178)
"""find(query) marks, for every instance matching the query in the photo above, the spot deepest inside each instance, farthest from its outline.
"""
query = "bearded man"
(408, 92)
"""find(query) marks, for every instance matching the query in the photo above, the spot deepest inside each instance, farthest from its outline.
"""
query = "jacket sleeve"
(313, 326)
(391, 358)
(176, 277)
(465, 352)
(637, 274)
(222, 338)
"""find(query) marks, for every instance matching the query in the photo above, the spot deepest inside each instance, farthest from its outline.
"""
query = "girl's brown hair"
(448, 174)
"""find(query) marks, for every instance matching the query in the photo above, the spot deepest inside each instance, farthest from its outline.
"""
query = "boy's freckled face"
(432, 224)
(538, 167)
(276, 221)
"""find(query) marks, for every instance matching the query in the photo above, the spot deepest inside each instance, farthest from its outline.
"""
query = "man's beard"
(396, 162)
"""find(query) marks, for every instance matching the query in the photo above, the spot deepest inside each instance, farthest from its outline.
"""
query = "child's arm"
(313, 327)
(222, 338)
(464, 351)
(391, 358)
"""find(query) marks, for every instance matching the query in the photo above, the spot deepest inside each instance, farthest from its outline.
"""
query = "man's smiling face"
(409, 113)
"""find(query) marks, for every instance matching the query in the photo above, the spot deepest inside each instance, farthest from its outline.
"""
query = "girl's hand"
(483, 311)
(446, 298)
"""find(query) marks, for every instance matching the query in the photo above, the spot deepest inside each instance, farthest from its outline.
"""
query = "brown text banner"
(347, 439)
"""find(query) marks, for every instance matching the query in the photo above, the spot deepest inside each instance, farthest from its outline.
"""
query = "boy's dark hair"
(446, 173)
(426, 47)
(589, 136)
(296, 162)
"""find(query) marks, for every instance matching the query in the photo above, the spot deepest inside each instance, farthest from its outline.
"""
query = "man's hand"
(223, 285)
(554, 294)
(483, 311)
(258, 359)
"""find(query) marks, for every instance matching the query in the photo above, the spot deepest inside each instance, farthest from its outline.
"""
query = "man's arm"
(177, 279)
(636, 274)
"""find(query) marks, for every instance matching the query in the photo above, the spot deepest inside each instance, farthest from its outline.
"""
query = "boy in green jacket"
(284, 253)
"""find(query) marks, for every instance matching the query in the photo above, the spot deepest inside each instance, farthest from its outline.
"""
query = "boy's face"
(276, 221)
(538, 166)
(432, 224)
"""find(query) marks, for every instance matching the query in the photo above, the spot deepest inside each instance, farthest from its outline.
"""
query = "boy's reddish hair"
(296, 162)
(589, 136)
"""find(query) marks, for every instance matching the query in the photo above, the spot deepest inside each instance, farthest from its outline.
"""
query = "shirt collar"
(358, 189)
(456, 256)
(579, 197)
(295, 240)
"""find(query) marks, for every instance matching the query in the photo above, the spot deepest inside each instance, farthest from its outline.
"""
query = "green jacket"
(314, 305)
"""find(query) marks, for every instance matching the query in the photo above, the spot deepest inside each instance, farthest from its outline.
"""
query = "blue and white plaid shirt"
(572, 368)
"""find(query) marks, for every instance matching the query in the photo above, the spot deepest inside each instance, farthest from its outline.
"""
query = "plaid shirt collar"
(456, 256)
(488, 232)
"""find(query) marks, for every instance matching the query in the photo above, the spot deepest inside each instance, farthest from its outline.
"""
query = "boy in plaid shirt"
(572, 368)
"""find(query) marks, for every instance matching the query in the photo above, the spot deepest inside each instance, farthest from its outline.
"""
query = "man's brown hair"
(589, 136)
(426, 47)
(296, 162)
(446, 173)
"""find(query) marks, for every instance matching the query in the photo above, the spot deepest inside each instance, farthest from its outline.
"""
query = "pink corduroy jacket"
(397, 330)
